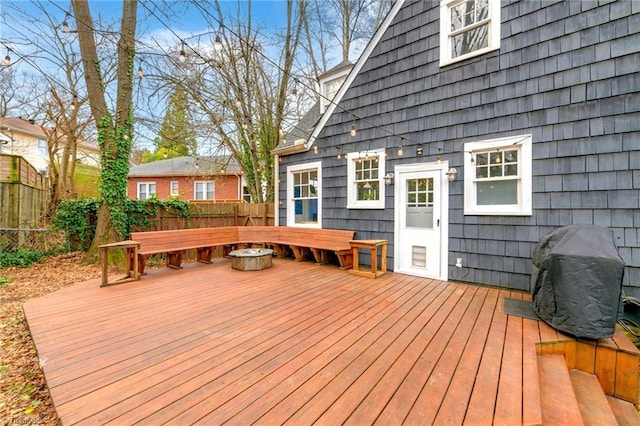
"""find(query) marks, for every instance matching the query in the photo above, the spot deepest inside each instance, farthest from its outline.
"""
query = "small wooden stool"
(131, 255)
(373, 246)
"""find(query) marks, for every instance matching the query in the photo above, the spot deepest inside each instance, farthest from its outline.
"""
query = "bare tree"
(57, 98)
(115, 125)
(239, 87)
(345, 22)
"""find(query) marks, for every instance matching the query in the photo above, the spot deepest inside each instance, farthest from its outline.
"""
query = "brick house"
(188, 178)
(480, 126)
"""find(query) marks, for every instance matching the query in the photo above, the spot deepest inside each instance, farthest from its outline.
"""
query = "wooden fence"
(23, 193)
(214, 214)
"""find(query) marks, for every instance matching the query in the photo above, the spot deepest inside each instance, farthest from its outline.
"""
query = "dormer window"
(468, 28)
(330, 83)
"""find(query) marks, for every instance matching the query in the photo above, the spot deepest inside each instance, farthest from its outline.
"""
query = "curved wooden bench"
(301, 242)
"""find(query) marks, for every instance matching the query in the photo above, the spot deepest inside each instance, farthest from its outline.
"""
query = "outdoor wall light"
(452, 174)
(388, 178)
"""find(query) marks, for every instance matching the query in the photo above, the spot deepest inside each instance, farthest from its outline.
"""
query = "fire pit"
(251, 259)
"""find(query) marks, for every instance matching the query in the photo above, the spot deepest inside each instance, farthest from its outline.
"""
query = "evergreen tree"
(177, 135)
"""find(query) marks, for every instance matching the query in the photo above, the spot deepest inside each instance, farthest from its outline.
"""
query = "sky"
(160, 22)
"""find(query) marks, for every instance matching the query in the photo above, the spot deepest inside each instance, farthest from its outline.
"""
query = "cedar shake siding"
(566, 72)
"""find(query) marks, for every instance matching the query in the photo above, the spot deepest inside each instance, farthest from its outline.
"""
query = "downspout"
(276, 192)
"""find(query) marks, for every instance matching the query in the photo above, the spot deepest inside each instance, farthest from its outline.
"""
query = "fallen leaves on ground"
(24, 396)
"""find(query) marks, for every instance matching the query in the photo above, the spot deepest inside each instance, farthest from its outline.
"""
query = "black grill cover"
(576, 281)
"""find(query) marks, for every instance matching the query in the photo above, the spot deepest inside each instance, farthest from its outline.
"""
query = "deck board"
(298, 343)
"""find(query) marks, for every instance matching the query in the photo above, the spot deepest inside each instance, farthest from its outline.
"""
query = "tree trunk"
(115, 129)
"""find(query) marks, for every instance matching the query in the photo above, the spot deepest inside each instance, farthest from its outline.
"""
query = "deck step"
(557, 397)
(625, 412)
(592, 401)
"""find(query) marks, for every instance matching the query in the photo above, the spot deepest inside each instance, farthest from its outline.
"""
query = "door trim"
(443, 166)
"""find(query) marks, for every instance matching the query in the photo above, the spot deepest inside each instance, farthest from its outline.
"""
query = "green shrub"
(78, 218)
(21, 257)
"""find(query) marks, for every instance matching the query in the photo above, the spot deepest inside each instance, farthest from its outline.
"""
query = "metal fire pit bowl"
(251, 259)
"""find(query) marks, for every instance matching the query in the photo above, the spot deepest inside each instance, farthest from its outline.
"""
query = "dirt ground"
(24, 396)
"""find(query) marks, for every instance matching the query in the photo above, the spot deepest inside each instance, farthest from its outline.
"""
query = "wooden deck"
(294, 344)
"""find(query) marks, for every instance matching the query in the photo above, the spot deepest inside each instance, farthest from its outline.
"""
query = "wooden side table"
(372, 245)
(131, 249)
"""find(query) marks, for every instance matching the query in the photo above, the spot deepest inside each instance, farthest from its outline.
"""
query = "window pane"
(482, 172)
(495, 171)
(497, 192)
(511, 170)
(367, 190)
(482, 159)
(495, 157)
(511, 156)
(469, 41)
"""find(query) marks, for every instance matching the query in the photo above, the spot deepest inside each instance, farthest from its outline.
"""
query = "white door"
(420, 222)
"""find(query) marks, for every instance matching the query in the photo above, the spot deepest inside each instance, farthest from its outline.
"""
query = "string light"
(354, 131)
(217, 45)
(140, 72)
(315, 148)
(400, 152)
(7, 59)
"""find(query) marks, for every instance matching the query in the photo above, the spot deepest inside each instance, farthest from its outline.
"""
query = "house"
(24, 137)
(189, 178)
(468, 130)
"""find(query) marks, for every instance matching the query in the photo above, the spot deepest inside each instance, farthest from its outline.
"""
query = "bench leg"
(142, 262)
(205, 254)
(174, 259)
(321, 256)
(299, 253)
(345, 257)
(282, 251)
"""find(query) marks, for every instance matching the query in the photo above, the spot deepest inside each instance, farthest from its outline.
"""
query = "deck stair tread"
(557, 397)
(592, 401)
(625, 412)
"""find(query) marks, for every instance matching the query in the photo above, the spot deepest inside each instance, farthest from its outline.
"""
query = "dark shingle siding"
(566, 72)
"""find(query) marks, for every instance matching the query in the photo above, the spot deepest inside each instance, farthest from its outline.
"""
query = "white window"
(174, 188)
(304, 196)
(203, 190)
(365, 172)
(246, 194)
(497, 177)
(330, 85)
(146, 190)
(43, 149)
(468, 28)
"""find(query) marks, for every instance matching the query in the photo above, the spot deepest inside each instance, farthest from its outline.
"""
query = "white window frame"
(445, 31)
(206, 190)
(326, 98)
(524, 205)
(147, 186)
(352, 189)
(174, 192)
(43, 148)
(291, 213)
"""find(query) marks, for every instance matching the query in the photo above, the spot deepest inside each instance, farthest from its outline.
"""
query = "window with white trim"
(365, 171)
(468, 28)
(146, 190)
(329, 86)
(174, 188)
(246, 194)
(497, 177)
(203, 190)
(43, 148)
(304, 195)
